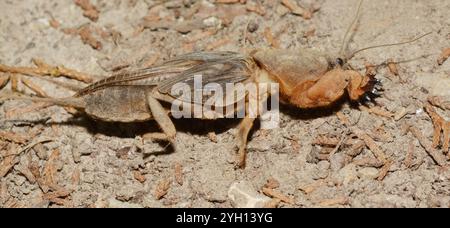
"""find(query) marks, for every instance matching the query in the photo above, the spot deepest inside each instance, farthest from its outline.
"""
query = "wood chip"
(76, 177)
(437, 157)
(309, 33)
(138, 176)
(49, 172)
(26, 172)
(162, 188)
(4, 194)
(392, 66)
(34, 169)
(370, 143)
(400, 113)
(368, 162)
(440, 102)
(273, 203)
(272, 183)
(381, 135)
(384, 170)
(62, 202)
(41, 152)
(410, 155)
(256, 7)
(87, 38)
(183, 27)
(377, 111)
(178, 168)
(90, 11)
(70, 31)
(54, 23)
(6, 165)
(338, 146)
(343, 118)
(278, 195)
(333, 202)
(58, 196)
(229, 1)
(270, 38)
(440, 125)
(297, 10)
(13, 137)
(308, 189)
(356, 149)
(332, 141)
(444, 56)
(61, 193)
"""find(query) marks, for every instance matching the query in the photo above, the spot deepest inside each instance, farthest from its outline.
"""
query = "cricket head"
(358, 86)
(362, 87)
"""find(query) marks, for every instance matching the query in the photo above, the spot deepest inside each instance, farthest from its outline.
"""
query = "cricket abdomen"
(119, 104)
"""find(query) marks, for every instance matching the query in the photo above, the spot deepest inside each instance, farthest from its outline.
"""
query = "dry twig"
(278, 195)
(437, 157)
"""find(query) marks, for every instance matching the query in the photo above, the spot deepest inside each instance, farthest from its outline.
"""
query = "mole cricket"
(306, 79)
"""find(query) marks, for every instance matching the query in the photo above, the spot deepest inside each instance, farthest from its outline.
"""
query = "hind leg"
(13, 74)
(43, 69)
(161, 116)
(253, 109)
(242, 137)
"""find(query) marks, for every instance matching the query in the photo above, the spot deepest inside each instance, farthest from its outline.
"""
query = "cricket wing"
(169, 70)
(213, 74)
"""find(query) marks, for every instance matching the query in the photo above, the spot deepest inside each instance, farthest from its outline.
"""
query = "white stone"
(242, 195)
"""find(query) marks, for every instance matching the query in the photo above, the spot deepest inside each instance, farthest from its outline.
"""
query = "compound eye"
(339, 62)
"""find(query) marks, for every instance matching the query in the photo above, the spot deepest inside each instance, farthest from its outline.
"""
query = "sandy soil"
(93, 164)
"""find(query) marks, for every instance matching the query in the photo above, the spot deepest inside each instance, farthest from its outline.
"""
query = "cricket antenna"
(345, 42)
(387, 45)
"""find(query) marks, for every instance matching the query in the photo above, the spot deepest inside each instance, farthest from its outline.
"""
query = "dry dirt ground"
(52, 158)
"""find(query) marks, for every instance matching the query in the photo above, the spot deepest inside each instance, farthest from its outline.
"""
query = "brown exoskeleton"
(306, 78)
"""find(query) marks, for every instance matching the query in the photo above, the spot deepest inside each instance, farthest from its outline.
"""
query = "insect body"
(306, 79)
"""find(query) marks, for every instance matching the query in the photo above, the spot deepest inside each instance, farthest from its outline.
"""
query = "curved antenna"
(385, 63)
(355, 20)
(387, 45)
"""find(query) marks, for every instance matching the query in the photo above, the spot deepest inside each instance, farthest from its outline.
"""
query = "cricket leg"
(41, 93)
(13, 74)
(68, 101)
(44, 69)
(162, 118)
(242, 136)
(253, 110)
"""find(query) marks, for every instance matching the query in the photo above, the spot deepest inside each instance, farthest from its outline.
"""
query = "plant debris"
(89, 10)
